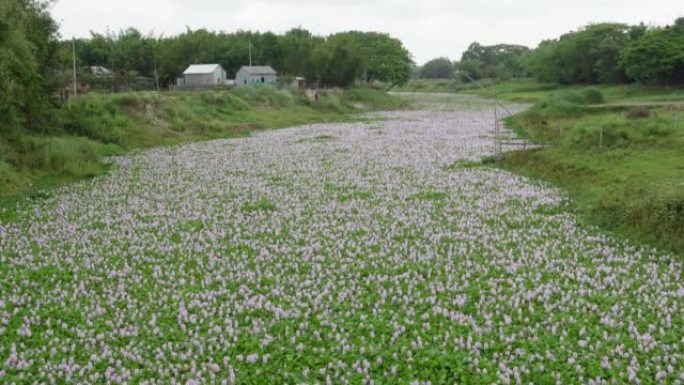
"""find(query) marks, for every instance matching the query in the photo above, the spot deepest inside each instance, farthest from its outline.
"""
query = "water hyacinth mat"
(330, 254)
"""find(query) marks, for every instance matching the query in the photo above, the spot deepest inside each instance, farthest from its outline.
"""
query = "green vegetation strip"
(95, 126)
(617, 150)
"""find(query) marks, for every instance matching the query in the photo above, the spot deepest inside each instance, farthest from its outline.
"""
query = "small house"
(202, 76)
(256, 76)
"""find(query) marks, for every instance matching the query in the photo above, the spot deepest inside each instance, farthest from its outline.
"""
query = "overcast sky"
(428, 28)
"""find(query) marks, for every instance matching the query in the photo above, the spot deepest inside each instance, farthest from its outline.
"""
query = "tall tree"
(657, 56)
(298, 44)
(380, 56)
(28, 57)
(590, 55)
(439, 68)
(499, 60)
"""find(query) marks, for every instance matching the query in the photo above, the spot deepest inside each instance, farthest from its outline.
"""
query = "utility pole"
(497, 138)
(250, 51)
(73, 52)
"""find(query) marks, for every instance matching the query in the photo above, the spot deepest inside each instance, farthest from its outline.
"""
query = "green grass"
(94, 126)
(622, 166)
(430, 86)
(530, 91)
(521, 90)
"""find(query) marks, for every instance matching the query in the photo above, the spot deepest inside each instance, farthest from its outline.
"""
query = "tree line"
(594, 54)
(338, 60)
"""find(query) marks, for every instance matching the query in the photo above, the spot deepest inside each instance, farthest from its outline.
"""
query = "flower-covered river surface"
(361, 253)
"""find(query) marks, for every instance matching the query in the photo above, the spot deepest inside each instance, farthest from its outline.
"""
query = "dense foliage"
(604, 53)
(338, 60)
(612, 53)
(439, 68)
(27, 56)
(657, 56)
(499, 60)
(590, 55)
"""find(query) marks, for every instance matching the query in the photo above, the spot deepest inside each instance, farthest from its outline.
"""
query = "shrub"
(223, 100)
(331, 103)
(593, 96)
(282, 99)
(8, 175)
(564, 102)
(69, 156)
(96, 120)
(129, 100)
(255, 95)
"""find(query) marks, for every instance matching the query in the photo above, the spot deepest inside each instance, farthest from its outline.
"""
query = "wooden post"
(154, 59)
(676, 116)
(497, 148)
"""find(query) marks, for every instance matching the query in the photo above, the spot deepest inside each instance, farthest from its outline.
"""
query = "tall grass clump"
(330, 102)
(9, 176)
(129, 100)
(560, 103)
(282, 99)
(568, 101)
(97, 119)
(68, 156)
(592, 95)
(255, 95)
(653, 215)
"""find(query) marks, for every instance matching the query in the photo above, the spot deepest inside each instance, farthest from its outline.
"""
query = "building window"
(263, 80)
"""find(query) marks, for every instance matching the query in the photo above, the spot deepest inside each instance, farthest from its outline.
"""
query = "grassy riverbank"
(94, 126)
(617, 150)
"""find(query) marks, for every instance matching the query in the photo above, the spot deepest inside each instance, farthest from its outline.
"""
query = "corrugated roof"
(198, 69)
(260, 70)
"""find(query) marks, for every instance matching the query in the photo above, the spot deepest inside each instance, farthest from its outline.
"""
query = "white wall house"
(202, 76)
(255, 76)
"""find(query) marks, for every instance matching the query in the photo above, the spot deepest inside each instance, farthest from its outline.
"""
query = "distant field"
(527, 90)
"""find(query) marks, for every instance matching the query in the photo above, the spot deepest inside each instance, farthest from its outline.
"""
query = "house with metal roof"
(202, 76)
(254, 76)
